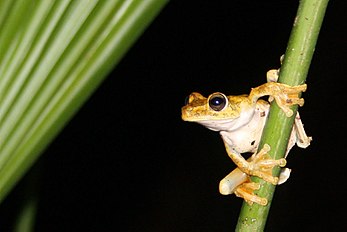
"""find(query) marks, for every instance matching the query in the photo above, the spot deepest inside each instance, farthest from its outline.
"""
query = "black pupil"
(217, 103)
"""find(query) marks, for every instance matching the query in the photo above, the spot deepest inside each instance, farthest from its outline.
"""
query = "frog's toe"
(267, 176)
(246, 191)
(296, 89)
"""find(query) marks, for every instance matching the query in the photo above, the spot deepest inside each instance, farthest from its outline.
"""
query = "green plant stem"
(277, 131)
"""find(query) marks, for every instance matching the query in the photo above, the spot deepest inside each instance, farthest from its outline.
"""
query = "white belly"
(246, 138)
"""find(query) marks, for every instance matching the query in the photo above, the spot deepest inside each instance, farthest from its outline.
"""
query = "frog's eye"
(217, 101)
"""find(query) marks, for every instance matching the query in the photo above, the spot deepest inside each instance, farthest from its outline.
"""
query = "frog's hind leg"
(234, 179)
(239, 183)
(302, 140)
(299, 137)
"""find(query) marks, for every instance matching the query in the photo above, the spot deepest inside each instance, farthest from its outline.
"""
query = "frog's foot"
(245, 191)
(261, 165)
(286, 96)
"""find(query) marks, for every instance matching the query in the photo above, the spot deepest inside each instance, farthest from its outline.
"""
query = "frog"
(240, 120)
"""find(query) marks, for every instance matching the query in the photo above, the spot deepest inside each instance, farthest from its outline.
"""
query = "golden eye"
(217, 101)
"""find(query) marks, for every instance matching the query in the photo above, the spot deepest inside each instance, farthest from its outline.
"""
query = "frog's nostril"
(186, 100)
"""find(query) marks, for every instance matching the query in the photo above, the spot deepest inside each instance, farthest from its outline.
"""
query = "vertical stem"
(277, 131)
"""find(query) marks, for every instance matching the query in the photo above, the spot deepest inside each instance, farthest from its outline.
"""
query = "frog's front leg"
(260, 164)
(285, 95)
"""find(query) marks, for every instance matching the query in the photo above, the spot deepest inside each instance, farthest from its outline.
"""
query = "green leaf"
(54, 54)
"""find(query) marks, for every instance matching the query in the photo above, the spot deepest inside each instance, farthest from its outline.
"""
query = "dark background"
(127, 162)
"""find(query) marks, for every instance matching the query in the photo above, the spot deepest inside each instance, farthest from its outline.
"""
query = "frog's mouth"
(219, 124)
(214, 124)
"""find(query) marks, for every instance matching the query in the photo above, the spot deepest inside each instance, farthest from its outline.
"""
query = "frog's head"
(217, 112)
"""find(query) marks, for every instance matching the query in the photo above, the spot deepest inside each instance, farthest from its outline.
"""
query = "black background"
(127, 162)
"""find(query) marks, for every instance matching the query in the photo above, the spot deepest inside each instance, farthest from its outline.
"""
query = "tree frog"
(240, 121)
